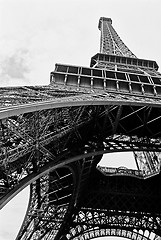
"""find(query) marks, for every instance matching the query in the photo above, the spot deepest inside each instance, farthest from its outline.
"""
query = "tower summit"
(110, 42)
(103, 19)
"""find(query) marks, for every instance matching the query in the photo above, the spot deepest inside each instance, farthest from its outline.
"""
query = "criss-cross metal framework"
(53, 138)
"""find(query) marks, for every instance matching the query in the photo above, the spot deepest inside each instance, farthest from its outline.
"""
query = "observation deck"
(128, 81)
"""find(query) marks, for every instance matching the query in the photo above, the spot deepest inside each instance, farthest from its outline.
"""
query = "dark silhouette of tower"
(53, 138)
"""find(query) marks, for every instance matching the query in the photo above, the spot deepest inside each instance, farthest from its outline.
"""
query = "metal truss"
(53, 138)
(32, 139)
(90, 224)
(103, 206)
(110, 42)
(51, 197)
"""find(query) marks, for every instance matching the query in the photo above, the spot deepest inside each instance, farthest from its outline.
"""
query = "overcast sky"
(36, 34)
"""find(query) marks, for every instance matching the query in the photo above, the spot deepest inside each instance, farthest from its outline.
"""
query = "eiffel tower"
(53, 137)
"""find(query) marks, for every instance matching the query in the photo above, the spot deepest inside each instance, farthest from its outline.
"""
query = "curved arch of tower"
(53, 137)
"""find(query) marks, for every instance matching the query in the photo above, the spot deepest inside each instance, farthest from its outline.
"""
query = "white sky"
(36, 34)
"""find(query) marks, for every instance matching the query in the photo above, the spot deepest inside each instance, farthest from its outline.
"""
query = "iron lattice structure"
(53, 138)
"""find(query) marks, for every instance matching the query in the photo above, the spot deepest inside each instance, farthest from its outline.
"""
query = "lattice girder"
(31, 140)
(106, 223)
(50, 204)
(110, 42)
(48, 132)
(101, 218)
(122, 193)
(104, 208)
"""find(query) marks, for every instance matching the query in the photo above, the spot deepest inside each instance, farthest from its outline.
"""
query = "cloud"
(14, 67)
